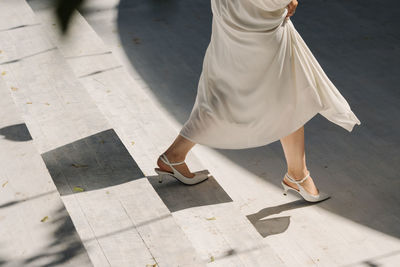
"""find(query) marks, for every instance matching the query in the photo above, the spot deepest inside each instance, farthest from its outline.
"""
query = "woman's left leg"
(293, 147)
(177, 152)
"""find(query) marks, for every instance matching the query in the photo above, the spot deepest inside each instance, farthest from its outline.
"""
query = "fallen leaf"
(14, 88)
(108, 91)
(3, 185)
(3, 73)
(211, 218)
(132, 143)
(136, 40)
(47, 104)
(78, 189)
(29, 102)
(212, 259)
(107, 192)
(44, 219)
(79, 165)
(1, 51)
(151, 265)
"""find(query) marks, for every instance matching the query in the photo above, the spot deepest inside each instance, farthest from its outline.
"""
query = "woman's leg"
(176, 153)
(293, 147)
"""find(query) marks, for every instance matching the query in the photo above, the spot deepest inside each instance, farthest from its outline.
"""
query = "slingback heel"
(199, 176)
(305, 194)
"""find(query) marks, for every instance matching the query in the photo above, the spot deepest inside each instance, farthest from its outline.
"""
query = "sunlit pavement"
(85, 118)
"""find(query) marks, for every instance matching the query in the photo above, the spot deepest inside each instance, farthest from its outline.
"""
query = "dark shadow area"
(165, 42)
(356, 43)
(3, 259)
(62, 245)
(17, 132)
(97, 161)
(65, 247)
(276, 225)
(101, 160)
(177, 196)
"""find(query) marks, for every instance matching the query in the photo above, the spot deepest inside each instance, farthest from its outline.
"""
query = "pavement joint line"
(20, 26)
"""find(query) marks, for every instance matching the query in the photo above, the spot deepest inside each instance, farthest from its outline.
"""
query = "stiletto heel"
(307, 196)
(160, 178)
(199, 176)
(285, 188)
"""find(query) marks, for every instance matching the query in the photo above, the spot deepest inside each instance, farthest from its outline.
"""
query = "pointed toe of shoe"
(323, 196)
(202, 173)
(200, 176)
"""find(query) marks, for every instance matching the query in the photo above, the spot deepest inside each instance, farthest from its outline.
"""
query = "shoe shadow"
(178, 196)
(276, 225)
(17, 132)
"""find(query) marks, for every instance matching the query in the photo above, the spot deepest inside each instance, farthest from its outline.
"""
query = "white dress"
(259, 82)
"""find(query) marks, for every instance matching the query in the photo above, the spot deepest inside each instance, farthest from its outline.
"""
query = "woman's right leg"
(177, 152)
(293, 147)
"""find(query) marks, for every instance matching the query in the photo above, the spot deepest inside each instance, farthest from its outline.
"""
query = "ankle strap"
(166, 161)
(295, 181)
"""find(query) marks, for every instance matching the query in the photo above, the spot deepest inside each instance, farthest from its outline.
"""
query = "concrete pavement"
(106, 101)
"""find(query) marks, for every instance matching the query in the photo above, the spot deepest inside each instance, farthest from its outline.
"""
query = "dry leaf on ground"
(78, 189)
(136, 40)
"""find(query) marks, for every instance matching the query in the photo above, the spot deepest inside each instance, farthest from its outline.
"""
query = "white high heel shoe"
(307, 196)
(198, 177)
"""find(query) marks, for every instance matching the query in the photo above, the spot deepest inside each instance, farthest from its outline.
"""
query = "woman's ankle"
(298, 174)
(174, 156)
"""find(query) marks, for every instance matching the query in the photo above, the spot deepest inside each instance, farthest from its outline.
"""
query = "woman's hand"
(291, 8)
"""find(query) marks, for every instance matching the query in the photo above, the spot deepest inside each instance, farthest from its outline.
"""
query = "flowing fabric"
(259, 82)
